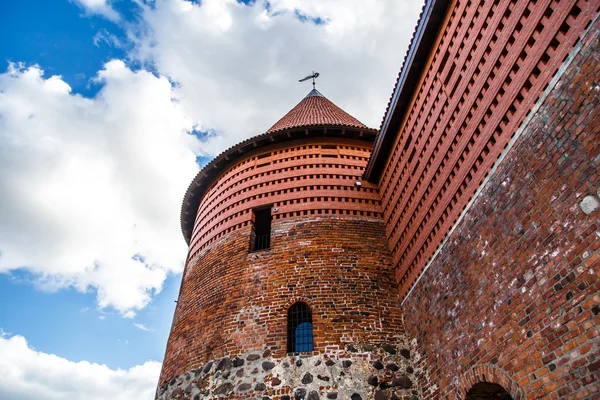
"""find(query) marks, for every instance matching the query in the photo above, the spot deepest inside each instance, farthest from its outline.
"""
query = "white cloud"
(237, 66)
(104, 36)
(143, 327)
(91, 188)
(100, 7)
(26, 374)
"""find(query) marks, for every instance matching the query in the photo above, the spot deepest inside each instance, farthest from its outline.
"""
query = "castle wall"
(513, 295)
(492, 61)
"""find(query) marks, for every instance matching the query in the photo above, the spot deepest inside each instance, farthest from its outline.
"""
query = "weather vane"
(314, 76)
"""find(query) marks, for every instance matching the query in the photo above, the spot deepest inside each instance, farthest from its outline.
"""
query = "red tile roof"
(315, 109)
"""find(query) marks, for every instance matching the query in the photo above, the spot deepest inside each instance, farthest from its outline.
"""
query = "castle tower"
(288, 286)
(461, 260)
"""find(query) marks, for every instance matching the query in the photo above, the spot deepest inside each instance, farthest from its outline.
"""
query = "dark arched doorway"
(487, 391)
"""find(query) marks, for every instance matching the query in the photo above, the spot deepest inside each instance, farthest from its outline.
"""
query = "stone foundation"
(356, 372)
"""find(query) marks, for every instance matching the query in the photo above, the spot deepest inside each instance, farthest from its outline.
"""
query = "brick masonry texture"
(513, 296)
(233, 302)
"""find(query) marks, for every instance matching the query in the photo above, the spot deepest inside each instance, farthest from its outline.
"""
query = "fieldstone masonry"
(358, 372)
(589, 204)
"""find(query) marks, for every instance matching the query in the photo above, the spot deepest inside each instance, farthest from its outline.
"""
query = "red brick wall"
(492, 61)
(513, 296)
(233, 302)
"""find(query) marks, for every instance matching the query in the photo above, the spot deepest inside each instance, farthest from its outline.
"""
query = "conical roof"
(315, 109)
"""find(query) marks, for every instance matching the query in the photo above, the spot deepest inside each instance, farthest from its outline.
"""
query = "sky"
(108, 109)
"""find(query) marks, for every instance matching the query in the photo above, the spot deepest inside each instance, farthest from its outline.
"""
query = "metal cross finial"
(314, 76)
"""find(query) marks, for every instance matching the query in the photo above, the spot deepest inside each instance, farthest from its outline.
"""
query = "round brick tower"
(288, 288)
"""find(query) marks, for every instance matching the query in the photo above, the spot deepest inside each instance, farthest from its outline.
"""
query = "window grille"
(262, 241)
(300, 329)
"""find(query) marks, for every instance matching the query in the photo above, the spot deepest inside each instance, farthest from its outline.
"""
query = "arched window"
(300, 329)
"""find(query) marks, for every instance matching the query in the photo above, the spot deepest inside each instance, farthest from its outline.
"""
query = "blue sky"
(60, 38)
(108, 108)
(67, 323)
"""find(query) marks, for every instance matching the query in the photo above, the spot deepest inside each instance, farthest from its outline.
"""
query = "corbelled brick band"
(301, 177)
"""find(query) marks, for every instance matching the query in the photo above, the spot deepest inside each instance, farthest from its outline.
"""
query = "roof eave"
(418, 53)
